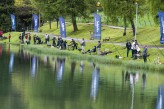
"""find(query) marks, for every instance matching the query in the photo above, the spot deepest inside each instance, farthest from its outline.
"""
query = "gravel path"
(115, 43)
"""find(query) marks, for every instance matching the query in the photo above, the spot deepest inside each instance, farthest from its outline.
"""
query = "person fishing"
(83, 45)
(128, 46)
(144, 53)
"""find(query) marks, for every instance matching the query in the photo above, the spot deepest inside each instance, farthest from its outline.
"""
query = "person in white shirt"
(83, 45)
(133, 48)
(138, 49)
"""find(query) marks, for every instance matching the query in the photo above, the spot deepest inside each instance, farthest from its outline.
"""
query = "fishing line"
(156, 46)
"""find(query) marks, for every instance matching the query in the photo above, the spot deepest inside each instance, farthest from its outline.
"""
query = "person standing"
(54, 41)
(133, 48)
(82, 45)
(29, 38)
(20, 38)
(46, 37)
(26, 39)
(9, 37)
(34, 38)
(138, 49)
(144, 54)
(128, 46)
(99, 47)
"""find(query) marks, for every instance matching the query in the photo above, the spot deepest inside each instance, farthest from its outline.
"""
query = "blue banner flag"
(62, 27)
(13, 22)
(36, 22)
(161, 18)
(97, 26)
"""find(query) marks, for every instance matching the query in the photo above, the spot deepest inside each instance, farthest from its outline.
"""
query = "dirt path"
(114, 43)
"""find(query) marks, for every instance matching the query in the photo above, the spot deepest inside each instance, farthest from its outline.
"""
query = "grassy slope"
(147, 35)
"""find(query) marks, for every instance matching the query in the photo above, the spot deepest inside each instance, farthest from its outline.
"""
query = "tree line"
(71, 9)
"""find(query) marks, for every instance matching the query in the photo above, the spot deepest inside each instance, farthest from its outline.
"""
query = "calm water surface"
(33, 82)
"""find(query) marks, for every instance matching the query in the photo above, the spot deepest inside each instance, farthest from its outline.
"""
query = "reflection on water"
(73, 66)
(81, 66)
(60, 70)
(81, 83)
(0, 51)
(11, 63)
(160, 99)
(95, 83)
(134, 77)
(34, 66)
(143, 82)
(24, 56)
(54, 64)
(9, 49)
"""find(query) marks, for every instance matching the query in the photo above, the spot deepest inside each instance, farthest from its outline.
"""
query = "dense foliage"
(6, 8)
(72, 9)
(115, 10)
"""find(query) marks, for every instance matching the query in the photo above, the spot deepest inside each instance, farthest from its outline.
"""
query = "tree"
(48, 9)
(78, 8)
(156, 6)
(67, 8)
(123, 9)
(23, 12)
(6, 8)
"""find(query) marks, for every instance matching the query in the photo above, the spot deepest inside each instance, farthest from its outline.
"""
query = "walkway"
(114, 43)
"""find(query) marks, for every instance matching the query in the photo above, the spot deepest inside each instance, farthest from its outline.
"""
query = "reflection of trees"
(0, 51)
(46, 94)
(73, 66)
(47, 61)
(9, 49)
(42, 92)
(23, 56)
(143, 83)
(10, 98)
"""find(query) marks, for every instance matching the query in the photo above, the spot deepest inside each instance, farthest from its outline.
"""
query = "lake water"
(42, 82)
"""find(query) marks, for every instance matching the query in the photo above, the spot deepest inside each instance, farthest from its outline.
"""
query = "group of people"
(73, 45)
(95, 49)
(25, 38)
(135, 49)
(62, 44)
(37, 39)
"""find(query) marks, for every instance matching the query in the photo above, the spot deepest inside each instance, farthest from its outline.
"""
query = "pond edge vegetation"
(94, 58)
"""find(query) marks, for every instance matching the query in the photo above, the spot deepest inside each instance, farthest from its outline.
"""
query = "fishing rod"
(142, 47)
(116, 48)
(156, 46)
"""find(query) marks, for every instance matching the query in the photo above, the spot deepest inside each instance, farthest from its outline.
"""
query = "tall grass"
(96, 59)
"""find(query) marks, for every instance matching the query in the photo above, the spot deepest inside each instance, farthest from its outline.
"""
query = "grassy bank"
(94, 58)
(145, 36)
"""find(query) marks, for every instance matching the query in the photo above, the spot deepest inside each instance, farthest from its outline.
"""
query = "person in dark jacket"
(54, 41)
(128, 47)
(99, 47)
(144, 53)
